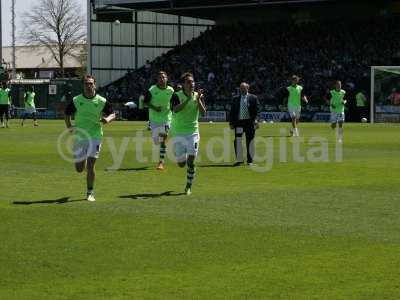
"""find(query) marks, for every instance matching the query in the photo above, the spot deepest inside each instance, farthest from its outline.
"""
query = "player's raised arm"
(176, 105)
(200, 103)
(304, 97)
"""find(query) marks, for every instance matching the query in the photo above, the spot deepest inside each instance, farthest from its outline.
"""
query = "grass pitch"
(312, 230)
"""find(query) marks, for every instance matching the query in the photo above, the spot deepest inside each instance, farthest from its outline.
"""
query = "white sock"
(340, 133)
(296, 132)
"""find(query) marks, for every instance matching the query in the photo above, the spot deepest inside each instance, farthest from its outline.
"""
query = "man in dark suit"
(243, 118)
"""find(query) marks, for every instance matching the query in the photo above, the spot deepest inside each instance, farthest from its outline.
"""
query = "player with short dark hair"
(158, 100)
(187, 105)
(337, 101)
(294, 94)
(91, 111)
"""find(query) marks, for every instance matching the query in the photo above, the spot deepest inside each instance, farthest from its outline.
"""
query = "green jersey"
(294, 96)
(5, 96)
(141, 102)
(361, 100)
(161, 98)
(29, 98)
(186, 121)
(337, 98)
(87, 117)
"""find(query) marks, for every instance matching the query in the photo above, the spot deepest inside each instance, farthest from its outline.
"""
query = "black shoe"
(237, 164)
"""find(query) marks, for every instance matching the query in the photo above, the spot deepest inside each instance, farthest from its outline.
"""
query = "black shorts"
(4, 109)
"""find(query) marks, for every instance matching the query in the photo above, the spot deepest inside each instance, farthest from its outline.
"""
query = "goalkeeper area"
(385, 94)
(327, 230)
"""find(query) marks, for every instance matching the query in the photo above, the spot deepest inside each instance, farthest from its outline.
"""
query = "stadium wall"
(117, 47)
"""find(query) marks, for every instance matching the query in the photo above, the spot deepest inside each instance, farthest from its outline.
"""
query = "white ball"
(264, 121)
(271, 122)
(117, 22)
(364, 120)
(210, 122)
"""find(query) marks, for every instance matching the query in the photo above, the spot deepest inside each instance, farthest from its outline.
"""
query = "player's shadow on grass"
(276, 136)
(129, 169)
(151, 196)
(56, 201)
(216, 166)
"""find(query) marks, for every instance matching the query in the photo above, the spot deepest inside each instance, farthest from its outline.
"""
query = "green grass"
(328, 230)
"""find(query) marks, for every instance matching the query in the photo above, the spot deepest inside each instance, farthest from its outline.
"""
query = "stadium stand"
(266, 54)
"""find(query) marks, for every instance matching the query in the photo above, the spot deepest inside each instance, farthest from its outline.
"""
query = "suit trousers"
(247, 127)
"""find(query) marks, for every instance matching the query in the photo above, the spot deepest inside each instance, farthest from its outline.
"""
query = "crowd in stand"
(265, 55)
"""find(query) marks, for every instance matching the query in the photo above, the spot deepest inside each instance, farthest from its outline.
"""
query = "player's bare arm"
(109, 118)
(201, 104)
(179, 107)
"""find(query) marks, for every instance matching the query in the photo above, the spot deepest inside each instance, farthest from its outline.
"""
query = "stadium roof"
(200, 8)
(193, 4)
(214, 9)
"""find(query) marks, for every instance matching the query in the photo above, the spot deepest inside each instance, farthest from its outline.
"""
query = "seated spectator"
(272, 53)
